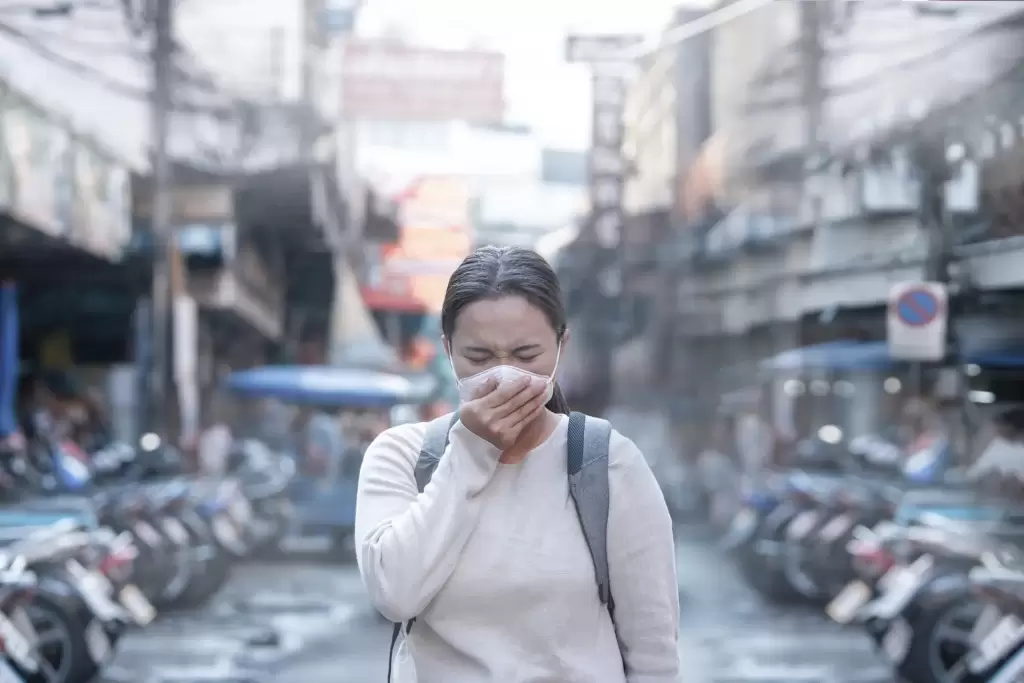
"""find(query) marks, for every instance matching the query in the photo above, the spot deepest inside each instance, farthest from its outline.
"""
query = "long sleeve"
(642, 568)
(408, 542)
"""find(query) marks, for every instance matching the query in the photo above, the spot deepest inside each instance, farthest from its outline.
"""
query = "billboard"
(382, 81)
(411, 275)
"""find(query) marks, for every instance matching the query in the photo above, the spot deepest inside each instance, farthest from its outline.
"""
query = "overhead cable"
(97, 76)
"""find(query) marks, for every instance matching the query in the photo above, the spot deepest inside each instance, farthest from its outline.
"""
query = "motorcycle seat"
(166, 495)
(960, 544)
(1006, 580)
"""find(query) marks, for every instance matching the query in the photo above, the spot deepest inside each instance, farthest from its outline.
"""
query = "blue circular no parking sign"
(918, 307)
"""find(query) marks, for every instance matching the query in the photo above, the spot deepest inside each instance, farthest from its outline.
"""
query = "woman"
(490, 559)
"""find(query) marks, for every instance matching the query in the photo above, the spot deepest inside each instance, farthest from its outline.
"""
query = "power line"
(98, 77)
(881, 76)
(98, 46)
(708, 22)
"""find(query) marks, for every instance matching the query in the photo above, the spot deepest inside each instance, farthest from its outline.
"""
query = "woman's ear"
(566, 335)
(446, 346)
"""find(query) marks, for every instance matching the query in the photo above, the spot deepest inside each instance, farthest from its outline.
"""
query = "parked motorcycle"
(915, 598)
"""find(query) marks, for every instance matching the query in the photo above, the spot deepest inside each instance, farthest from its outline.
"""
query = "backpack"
(587, 467)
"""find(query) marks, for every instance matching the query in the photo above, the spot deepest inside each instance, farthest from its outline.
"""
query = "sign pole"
(603, 306)
(935, 172)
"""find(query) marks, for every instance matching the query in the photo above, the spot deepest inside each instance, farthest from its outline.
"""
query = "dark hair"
(495, 272)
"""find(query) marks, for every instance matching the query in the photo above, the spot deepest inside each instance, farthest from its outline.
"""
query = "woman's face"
(504, 331)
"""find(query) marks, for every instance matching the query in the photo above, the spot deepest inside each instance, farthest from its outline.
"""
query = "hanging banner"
(101, 217)
(38, 150)
(917, 321)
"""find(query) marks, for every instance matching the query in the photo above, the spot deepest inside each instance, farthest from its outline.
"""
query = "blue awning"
(331, 386)
(852, 355)
(847, 354)
(998, 358)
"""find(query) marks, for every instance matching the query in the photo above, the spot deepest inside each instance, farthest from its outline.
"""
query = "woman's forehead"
(502, 320)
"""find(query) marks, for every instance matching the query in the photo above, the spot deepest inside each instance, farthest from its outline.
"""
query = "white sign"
(917, 320)
(592, 49)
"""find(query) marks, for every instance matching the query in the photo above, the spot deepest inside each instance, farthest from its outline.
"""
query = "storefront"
(65, 223)
(65, 226)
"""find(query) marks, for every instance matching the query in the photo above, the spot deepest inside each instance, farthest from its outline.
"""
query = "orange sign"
(412, 275)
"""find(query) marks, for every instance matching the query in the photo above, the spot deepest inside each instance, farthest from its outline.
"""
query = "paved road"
(728, 636)
(269, 616)
(308, 622)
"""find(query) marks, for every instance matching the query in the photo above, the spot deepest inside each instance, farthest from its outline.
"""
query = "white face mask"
(468, 386)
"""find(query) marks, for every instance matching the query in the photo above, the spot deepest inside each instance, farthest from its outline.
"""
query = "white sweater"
(492, 562)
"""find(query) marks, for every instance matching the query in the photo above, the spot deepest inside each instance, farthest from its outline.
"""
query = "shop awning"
(844, 354)
(355, 338)
(330, 386)
(850, 355)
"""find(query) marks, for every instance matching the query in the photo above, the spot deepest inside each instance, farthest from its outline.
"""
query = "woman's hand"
(499, 414)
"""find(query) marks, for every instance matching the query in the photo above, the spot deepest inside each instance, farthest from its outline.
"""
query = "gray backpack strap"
(435, 441)
(589, 439)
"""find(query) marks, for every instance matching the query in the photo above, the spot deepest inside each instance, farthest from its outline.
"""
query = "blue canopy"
(843, 354)
(852, 355)
(327, 385)
(1002, 358)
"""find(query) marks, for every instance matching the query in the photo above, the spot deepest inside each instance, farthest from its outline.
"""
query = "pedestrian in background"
(215, 442)
(756, 441)
(719, 474)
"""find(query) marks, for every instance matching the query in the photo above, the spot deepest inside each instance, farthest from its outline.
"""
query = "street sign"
(583, 49)
(917, 321)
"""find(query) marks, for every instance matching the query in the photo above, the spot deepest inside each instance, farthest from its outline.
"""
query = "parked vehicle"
(94, 544)
(322, 490)
(919, 594)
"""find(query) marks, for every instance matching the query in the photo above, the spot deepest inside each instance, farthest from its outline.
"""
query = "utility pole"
(167, 271)
(313, 46)
(812, 59)
(929, 159)
(935, 172)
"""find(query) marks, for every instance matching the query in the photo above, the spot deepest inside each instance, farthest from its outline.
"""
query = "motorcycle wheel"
(62, 646)
(214, 573)
(183, 574)
(275, 516)
(768, 581)
(939, 641)
(153, 569)
(761, 571)
(146, 562)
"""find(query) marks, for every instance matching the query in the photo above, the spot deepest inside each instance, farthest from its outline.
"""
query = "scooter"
(828, 563)
(923, 607)
(995, 653)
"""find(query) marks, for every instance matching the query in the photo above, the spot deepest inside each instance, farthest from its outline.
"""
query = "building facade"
(798, 180)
